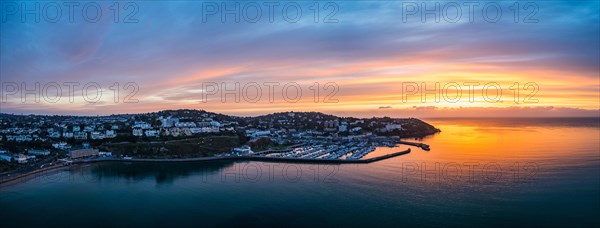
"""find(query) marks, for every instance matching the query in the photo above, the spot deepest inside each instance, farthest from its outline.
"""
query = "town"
(29, 142)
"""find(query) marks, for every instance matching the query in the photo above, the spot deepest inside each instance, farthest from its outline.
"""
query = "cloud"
(426, 108)
(368, 53)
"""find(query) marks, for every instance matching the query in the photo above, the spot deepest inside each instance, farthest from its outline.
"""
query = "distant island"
(31, 142)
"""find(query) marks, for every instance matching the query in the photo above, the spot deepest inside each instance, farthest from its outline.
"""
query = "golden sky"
(370, 62)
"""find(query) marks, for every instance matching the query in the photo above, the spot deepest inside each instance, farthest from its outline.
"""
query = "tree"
(260, 143)
(242, 138)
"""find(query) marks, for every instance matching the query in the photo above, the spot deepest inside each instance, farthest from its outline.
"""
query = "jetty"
(420, 145)
(254, 158)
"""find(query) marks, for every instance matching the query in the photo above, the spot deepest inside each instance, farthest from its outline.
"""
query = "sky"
(349, 58)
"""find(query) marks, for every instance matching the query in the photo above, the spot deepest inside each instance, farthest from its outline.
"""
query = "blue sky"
(170, 51)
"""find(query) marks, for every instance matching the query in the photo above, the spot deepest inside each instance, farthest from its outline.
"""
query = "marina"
(352, 152)
(332, 153)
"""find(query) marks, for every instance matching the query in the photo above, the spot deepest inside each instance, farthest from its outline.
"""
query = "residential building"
(152, 133)
(67, 135)
(185, 124)
(61, 146)
(6, 157)
(20, 158)
(186, 132)
(138, 132)
(110, 134)
(89, 128)
(142, 125)
(243, 150)
(96, 135)
(168, 122)
(80, 135)
(175, 132)
(105, 154)
(215, 124)
(54, 134)
(38, 152)
(260, 133)
(391, 127)
(23, 138)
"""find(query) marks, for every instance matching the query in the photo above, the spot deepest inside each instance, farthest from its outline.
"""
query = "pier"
(260, 158)
(420, 145)
(322, 160)
(319, 153)
(252, 158)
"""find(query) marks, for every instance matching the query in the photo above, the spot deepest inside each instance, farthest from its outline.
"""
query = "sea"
(479, 172)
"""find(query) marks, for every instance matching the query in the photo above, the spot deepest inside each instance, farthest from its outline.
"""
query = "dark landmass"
(198, 133)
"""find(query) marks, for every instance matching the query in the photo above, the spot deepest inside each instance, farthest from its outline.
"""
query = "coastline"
(9, 180)
(5, 181)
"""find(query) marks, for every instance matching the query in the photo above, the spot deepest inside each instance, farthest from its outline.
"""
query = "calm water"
(478, 172)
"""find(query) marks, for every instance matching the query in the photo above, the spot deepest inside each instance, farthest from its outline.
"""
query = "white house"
(196, 130)
(54, 134)
(175, 132)
(152, 133)
(96, 135)
(215, 123)
(89, 128)
(20, 158)
(110, 134)
(38, 152)
(391, 127)
(67, 135)
(138, 132)
(355, 129)
(61, 146)
(168, 122)
(185, 124)
(260, 133)
(243, 150)
(80, 135)
(142, 125)
(23, 138)
(106, 154)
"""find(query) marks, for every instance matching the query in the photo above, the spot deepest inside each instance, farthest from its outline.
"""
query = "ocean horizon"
(513, 171)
